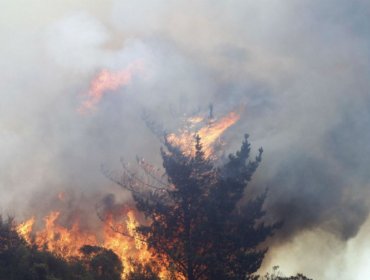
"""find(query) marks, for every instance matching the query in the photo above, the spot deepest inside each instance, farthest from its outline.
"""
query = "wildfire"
(106, 81)
(25, 229)
(126, 247)
(66, 242)
(60, 240)
(210, 133)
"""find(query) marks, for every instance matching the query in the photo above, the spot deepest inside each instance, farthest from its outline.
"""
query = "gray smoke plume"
(298, 68)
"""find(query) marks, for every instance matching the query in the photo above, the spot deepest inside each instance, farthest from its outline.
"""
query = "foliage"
(197, 221)
(103, 263)
(143, 272)
(277, 275)
(18, 260)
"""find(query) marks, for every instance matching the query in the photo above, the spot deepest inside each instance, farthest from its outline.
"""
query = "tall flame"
(210, 133)
(24, 229)
(66, 242)
(60, 240)
(106, 81)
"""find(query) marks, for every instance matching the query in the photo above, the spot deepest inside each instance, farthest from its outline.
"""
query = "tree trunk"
(190, 271)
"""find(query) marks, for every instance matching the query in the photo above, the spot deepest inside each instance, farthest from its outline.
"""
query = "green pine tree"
(196, 220)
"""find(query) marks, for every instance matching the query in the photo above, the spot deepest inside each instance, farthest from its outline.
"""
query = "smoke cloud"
(299, 69)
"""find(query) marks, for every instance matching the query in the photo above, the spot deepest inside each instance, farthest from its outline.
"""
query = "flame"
(60, 240)
(126, 246)
(210, 134)
(24, 229)
(66, 242)
(195, 120)
(106, 81)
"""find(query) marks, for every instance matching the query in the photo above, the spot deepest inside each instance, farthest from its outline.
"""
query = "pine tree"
(197, 222)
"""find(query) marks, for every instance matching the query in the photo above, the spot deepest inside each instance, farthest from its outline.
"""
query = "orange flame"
(106, 81)
(66, 242)
(60, 240)
(124, 246)
(209, 134)
(24, 229)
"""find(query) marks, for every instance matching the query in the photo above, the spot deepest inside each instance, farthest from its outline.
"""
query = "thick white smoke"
(299, 68)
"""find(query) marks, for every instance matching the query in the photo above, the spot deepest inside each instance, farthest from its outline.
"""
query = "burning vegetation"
(119, 229)
(107, 81)
(208, 129)
(66, 242)
(187, 220)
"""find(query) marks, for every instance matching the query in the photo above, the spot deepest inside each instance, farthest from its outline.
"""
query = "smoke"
(300, 70)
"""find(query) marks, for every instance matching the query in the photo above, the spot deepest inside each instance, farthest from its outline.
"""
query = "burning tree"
(198, 224)
(21, 260)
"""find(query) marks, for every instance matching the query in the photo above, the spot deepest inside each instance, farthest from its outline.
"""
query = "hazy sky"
(300, 69)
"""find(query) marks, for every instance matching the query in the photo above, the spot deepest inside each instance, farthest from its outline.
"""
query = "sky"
(298, 69)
